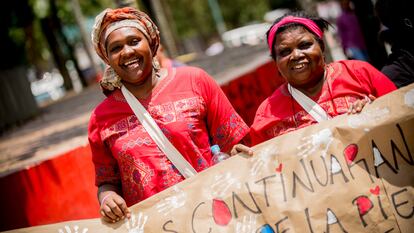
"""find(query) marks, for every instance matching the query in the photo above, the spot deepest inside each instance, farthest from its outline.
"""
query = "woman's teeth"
(131, 62)
(299, 66)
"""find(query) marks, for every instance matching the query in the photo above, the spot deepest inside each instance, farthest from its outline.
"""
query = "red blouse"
(346, 82)
(190, 109)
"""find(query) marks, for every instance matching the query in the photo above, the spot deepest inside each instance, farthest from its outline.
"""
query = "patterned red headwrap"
(112, 19)
(123, 17)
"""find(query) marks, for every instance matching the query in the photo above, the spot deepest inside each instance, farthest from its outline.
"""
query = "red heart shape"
(350, 152)
(279, 168)
(375, 191)
(221, 212)
(364, 204)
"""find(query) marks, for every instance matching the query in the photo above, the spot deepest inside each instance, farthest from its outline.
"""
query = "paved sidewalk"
(58, 128)
(62, 126)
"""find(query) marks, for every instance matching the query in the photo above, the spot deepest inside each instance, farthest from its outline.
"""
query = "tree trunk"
(167, 35)
(48, 28)
(80, 21)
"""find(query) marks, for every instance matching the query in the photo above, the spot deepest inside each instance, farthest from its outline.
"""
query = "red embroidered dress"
(190, 109)
(346, 82)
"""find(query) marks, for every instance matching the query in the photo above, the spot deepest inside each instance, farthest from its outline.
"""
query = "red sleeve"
(257, 134)
(106, 166)
(226, 127)
(379, 83)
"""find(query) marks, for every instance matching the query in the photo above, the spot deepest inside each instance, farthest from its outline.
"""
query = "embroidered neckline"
(163, 83)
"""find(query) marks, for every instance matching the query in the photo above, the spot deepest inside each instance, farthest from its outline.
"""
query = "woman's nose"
(297, 53)
(127, 50)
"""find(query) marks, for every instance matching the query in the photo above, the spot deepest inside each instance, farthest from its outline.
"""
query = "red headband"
(309, 24)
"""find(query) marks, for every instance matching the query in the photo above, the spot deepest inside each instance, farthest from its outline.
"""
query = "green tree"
(194, 18)
(15, 23)
(248, 12)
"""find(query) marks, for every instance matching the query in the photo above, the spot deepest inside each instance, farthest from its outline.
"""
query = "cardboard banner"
(353, 173)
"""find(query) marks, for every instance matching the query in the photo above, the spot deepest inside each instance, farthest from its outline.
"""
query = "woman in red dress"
(296, 45)
(185, 102)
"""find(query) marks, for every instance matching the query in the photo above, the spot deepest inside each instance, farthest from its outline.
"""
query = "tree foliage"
(15, 22)
(244, 13)
(194, 17)
(191, 17)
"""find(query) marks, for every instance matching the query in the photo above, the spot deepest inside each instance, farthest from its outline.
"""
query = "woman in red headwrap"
(314, 91)
(185, 102)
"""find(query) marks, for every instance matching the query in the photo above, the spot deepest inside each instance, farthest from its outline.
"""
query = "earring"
(156, 66)
(110, 80)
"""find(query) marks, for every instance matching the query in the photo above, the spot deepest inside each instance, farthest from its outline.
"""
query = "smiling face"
(129, 54)
(299, 57)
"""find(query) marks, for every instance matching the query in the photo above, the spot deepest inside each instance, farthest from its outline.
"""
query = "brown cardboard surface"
(350, 174)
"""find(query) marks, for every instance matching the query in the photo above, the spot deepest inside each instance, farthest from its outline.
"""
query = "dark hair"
(321, 23)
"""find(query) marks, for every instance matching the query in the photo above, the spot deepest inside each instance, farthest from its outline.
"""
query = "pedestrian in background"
(186, 104)
(350, 33)
(398, 18)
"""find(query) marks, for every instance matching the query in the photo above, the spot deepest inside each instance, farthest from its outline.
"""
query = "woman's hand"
(241, 148)
(113, 206)
(358, 105)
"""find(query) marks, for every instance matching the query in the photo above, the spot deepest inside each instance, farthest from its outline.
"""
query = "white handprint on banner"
(172, 202)
(409, 98)
(247, 225)
(320, 140)
(368, 116)
(136, 223)
(223, 182)
(75, 229)
(259, 161)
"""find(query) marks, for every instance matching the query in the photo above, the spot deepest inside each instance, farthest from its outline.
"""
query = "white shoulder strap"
(182, 165)
(309, 105)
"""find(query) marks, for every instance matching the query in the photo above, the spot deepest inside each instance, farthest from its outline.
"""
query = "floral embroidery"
(201, 164)
(120, 128)
(130, 144)
(170, 174)
(136, 174)
(181, 110)
(229, 131)
(143, 169)
(304, 119)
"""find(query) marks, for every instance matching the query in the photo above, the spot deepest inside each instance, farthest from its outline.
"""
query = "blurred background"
(46, 49)
(49, 77)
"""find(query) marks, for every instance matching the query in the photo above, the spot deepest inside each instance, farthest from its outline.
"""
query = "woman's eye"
(284, 52)
(135, 41)
(305, 45)
(115, 48)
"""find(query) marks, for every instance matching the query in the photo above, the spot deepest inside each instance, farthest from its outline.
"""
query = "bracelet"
(106, 196)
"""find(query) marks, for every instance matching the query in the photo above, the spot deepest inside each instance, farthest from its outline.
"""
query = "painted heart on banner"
(351, 152)
(221, 212)
(279, 168)
(364, 205)
(375, 190)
